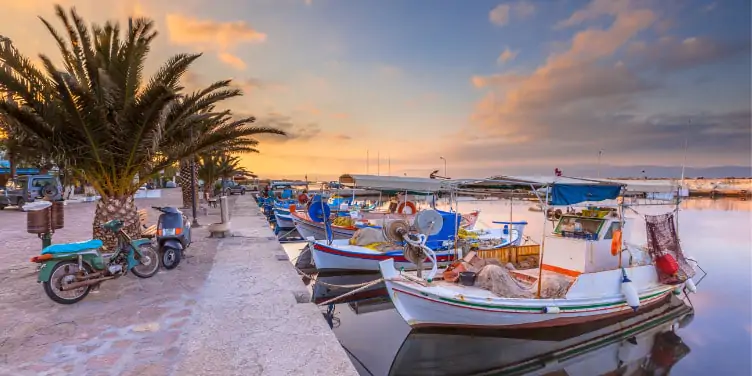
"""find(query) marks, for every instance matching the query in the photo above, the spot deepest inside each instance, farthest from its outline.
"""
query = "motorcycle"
(173, 235)
(69, 271)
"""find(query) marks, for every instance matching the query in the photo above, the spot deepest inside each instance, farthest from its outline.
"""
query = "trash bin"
(58, 215)
(38, 221)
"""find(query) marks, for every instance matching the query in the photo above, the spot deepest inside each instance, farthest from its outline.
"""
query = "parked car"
(27, 188)
(232, 188)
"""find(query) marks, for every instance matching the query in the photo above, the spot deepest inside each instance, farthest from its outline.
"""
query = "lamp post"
(445, 170)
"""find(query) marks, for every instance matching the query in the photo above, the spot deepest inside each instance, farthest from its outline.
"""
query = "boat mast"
(543, 239)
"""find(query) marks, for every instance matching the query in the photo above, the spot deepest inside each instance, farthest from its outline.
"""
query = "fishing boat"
(406, 209)
(587, 272)
(644, 343)
(345, 228)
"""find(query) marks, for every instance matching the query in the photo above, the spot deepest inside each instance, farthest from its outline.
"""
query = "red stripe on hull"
(337, 252)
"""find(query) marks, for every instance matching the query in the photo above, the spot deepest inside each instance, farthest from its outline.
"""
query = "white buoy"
(690, 285)
(629, 291)
(551, 310)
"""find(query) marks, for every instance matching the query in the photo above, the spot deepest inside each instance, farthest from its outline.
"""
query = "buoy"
(629, 291)
(690, 285)
(551, 310)
(409, 204)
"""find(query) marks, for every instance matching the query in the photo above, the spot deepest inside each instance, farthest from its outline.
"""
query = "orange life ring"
(409, 204)
(616, 243)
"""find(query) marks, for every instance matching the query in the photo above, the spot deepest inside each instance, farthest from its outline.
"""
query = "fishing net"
(499, 281)
(662, 240)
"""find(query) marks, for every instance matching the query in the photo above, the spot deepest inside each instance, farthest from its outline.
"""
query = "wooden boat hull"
(283, 221)
(444, 305)
(593, 349)
(338, 257)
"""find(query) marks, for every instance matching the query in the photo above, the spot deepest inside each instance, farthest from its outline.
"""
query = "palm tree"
(100, 117)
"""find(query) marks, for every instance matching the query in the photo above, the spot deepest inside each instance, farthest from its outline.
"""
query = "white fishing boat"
(586, 270)
(640, 344)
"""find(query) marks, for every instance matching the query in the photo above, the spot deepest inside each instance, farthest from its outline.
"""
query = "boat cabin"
(583, 244)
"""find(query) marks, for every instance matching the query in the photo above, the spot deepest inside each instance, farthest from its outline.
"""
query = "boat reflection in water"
(644, 343)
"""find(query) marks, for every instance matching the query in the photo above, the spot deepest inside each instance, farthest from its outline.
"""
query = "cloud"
(594, 10)
(710, 7)
(213, 35)
(339, 115)
(390, 71)
(500, 15)
(252, 84)
(673, 54)
(232, 60)
(507, 55)
(300, 132)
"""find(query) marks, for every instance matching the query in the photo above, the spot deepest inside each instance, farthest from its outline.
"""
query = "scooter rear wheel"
(64, 273)
(171, 257)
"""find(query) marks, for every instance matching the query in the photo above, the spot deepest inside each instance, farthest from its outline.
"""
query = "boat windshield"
(579, 227)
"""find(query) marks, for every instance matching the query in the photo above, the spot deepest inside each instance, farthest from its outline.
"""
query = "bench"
(212, 201)
(147, 231)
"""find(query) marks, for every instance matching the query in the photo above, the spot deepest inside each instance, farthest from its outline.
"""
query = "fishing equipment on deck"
(663, 246)
(616, 243)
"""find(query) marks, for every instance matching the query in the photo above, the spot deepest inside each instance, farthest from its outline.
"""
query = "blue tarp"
(565, 194)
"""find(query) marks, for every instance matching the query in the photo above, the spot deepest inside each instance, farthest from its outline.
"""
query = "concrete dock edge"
(248, 319)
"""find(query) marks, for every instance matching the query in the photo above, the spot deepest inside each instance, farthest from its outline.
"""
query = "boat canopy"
(563, 190)
(412, 185)
(651, 186)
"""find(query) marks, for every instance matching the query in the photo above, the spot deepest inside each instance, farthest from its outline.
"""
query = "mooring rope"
(365, 286)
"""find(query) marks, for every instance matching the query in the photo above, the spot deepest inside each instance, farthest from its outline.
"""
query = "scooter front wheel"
(170, 257)
(148, 263)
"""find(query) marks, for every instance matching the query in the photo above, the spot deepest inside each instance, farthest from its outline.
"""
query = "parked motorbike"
(173, 235)
(69, 271)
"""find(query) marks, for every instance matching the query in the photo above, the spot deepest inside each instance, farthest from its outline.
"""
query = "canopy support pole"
(543, 240)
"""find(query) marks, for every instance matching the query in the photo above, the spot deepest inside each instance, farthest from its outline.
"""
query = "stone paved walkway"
(132, 326)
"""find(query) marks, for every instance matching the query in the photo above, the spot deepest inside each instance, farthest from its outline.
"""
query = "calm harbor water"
(717, 340)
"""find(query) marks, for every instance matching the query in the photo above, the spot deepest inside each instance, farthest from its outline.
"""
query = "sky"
(493, 87)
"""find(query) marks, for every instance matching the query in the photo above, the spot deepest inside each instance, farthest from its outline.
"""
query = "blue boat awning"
(565, 194)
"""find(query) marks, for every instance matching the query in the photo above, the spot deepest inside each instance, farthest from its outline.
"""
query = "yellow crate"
(510, 254)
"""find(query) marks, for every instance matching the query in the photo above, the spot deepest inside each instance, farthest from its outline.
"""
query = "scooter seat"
(73, 247)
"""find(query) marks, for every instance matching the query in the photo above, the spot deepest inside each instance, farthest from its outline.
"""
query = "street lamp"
(445, 170)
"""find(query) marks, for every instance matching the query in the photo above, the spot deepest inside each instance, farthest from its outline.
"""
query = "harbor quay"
(234, 306)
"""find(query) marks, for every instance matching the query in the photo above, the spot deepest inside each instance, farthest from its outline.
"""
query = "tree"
(100, 117)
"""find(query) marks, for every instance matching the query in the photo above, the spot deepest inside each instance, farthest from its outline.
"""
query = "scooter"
(173, 235)
(69, 271)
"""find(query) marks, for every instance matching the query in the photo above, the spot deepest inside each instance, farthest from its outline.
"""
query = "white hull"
(593, 349)
(444, 304)
(283, 221)
(342, 256)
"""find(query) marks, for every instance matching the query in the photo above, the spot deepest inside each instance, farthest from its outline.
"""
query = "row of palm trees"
(98, 117)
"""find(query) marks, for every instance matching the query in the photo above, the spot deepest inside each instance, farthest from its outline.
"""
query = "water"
(718, 338)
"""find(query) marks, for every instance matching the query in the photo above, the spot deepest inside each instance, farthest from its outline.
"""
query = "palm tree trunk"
(12, 161)
(109, 208)
(185, 182)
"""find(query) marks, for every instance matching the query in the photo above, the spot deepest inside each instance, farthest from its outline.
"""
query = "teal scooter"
(69, 271)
